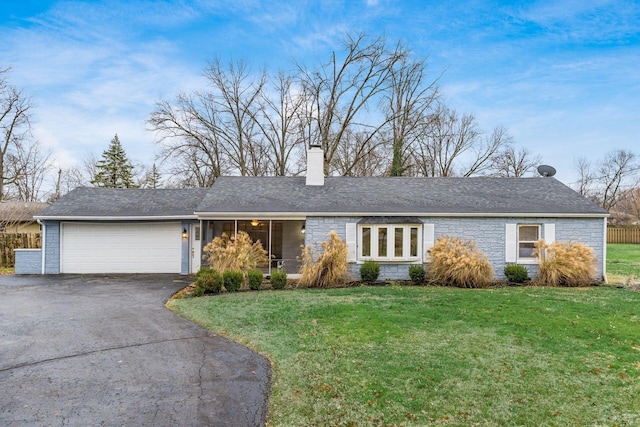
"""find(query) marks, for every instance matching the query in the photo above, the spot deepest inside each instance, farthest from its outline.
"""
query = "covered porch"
(281, 238)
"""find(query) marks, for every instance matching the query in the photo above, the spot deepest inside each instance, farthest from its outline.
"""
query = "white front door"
(195, 248)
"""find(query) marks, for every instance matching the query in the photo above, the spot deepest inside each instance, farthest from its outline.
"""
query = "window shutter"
(511, 243)
(549, 233)
(351, 242)
(428, 238)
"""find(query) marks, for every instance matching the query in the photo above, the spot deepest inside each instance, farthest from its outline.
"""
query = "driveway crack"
(100, 350)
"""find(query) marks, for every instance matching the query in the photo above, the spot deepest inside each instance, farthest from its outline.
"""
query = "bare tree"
(443, 143)
(370, 107)
(611, 179)
(408, 104)
(192, 168)
(340, 93)
(15, 128)
(214, 129)
(279, 121)
(618, 174)
(357, 156)
(586, 177)
(453, 145)
(512, 163)
(630, 206)
(67, 180)
(189, 142)
(233, 105)
(30, 165)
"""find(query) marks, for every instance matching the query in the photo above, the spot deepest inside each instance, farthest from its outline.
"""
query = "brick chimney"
(315, 165)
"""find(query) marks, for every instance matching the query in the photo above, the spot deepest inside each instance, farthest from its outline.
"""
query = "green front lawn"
(419, 356)
(623, 260)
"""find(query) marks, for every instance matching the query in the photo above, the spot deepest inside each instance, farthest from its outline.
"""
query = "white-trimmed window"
(389, 242)
(521, 240)
(528, 235)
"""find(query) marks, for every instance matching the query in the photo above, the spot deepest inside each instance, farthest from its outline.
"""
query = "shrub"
(254, 279)
(278, 279)
(417, 274)
(232, 280)
(197, 291)
(208, 281)
(457, 262)
(235, 253)
(327, 269)
(369, 271)
(204, 270)
(516, 273)
(565, 264)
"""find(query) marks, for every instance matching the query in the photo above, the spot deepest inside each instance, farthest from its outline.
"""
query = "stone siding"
(28, 261)
(488, 233)
(52, 247)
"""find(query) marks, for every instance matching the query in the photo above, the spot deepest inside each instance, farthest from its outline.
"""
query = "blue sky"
(562, 76)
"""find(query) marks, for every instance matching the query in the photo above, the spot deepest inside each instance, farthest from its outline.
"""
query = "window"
(528, 235)
(366, 241)
(389, 242)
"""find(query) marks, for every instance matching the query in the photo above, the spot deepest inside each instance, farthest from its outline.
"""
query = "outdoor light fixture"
(255, 222)
(184, 233)
(303, 229)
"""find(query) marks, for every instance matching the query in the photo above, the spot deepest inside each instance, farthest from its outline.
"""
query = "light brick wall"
(488, 233)
(52, 247)
(28, 261)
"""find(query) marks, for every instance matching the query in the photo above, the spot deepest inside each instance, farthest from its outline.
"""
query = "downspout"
(604, 254)
(269, 238)
(43, 229)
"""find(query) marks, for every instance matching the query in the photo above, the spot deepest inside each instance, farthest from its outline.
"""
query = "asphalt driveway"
(103, 350)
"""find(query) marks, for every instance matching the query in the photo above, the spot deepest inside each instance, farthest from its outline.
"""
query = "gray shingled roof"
(339, 195)
(402, 195)
(17, 211)
(125, 202)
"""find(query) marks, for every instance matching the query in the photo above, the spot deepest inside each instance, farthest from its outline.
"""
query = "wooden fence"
(623, 235)
(11, 241)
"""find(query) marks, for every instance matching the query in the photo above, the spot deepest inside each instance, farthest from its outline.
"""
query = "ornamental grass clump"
(328, 269)
(458, 262)
(565, 264)
(237, 253)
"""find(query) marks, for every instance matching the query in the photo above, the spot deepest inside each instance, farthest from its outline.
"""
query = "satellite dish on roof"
(546, 170)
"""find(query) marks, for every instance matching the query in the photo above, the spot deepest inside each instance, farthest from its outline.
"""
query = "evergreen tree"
(397, 162)
(153, 178)
(114, 169)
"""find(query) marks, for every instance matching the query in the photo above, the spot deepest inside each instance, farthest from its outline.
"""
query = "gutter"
(115, 218)
(303, 215)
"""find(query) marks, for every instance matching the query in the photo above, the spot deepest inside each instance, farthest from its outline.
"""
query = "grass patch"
(419, 356)
(6, 270)
(623, 260)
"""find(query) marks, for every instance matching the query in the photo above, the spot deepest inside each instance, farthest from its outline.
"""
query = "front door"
(195, 248)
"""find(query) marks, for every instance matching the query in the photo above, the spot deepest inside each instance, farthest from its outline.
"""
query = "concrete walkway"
(104, 351)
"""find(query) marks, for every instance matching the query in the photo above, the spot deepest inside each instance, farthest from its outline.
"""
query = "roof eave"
(299, 215)
(113, 217)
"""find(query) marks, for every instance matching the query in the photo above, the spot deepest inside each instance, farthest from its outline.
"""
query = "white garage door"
(121, 248)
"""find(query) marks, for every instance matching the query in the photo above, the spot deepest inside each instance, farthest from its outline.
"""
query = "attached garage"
(134, 247)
